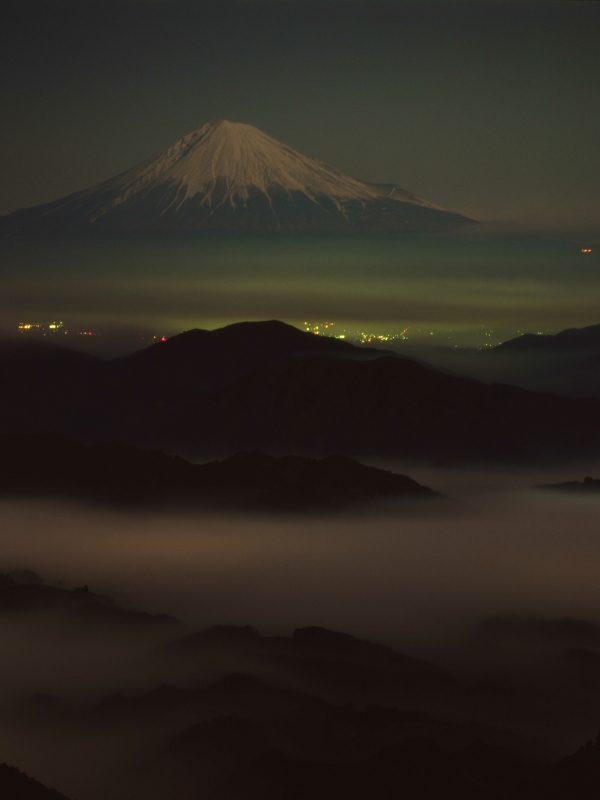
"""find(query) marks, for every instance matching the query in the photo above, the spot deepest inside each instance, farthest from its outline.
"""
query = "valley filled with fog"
(415, 575)
(421, 576)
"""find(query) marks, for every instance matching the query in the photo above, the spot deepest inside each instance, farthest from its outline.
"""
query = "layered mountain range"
(318, 713)
(271, 387)
(229, 176)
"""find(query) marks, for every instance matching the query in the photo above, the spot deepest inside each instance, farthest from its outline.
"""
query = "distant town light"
(586, 250)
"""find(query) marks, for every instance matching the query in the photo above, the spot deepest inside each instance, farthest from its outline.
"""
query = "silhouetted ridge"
(263, 340)
(344, 645)
(571, 338)
(576, 776)
(79, 605)
(587, 486)
(332, 659)
(265, 386)
(567, 363)
(56, 465)
(16, 785)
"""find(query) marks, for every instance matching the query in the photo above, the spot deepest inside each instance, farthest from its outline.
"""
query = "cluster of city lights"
(417, 336)
(54, 328)
(324, 329)
(331, 329)
(50, 328)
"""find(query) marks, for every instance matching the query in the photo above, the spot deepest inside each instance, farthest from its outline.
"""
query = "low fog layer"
(412, 580)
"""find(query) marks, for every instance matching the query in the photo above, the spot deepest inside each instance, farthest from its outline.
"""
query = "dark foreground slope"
(267, 386)
(15, 785)
(388, 406)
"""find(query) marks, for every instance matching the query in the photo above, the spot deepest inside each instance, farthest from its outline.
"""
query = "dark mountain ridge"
(16, 785)
(571, 338)
(587, 486)
(78, 605)
(267, 386)
(566, 363)
(118, 474)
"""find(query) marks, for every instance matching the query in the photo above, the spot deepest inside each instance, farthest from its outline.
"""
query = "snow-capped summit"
(232, 176)
(247, 161)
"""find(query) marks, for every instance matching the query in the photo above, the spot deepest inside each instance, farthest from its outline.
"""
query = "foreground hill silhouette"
(268, 386)
(54, 465)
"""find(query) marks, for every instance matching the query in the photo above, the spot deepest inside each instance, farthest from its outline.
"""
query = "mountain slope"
(46, 388)
(566, 363)
(585, 339)
(268, 386)
(386, 406)
(232, 176)
(16, 785)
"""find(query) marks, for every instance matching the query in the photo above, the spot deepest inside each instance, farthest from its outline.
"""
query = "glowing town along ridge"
(128, 336)
(58, 329)
(326, 329)
(444, 337)
(49, 329)
(232, 176)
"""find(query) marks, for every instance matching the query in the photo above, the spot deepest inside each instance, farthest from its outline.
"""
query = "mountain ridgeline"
(268, 386)
(232, 177)
(124, 476)
(566, 363)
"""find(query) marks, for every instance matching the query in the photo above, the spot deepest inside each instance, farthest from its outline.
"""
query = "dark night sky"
(490, 109)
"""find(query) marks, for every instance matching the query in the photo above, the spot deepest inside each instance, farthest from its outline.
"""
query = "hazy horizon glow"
(469, 292)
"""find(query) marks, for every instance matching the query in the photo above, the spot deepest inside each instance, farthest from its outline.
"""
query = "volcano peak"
(231, 176)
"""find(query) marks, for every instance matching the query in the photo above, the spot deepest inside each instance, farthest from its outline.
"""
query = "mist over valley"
(422, 581)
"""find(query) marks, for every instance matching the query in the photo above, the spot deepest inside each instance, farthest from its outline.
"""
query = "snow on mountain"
(229, 175)
(247, 160)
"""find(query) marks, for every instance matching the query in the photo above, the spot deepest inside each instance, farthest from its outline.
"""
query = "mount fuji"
(229, 176)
